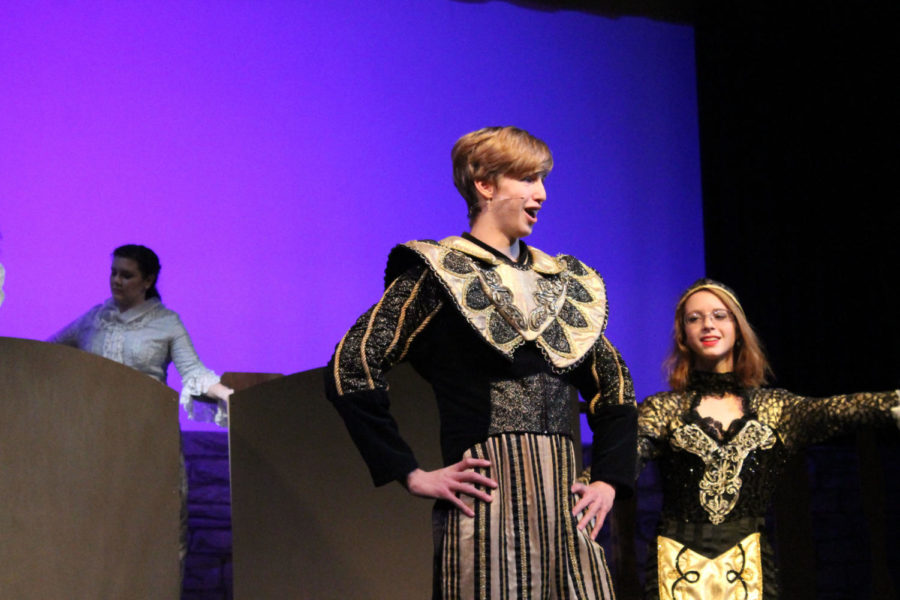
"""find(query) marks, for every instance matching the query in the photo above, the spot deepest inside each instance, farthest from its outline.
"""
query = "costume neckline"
(707, 383)
(524, 259)
(132, 313)
(704, 384)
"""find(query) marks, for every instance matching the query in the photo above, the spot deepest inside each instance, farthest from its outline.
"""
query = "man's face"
(514, 204)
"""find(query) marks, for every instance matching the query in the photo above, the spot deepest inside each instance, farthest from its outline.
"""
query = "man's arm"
(605, 383)
(355, 379)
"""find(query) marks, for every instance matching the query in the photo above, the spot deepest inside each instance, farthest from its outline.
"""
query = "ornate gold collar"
(559, 303)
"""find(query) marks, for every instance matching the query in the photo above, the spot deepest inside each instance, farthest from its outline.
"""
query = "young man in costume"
(500, 330)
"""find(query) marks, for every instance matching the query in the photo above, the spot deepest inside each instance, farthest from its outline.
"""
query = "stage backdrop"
(272, 152)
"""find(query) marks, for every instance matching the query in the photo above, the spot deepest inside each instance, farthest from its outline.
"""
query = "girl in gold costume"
(720, 441)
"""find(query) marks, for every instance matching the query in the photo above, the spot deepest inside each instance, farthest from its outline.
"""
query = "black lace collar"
(713, 384)
(704, 383)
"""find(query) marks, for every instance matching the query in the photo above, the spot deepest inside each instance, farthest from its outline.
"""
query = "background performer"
(720, 441)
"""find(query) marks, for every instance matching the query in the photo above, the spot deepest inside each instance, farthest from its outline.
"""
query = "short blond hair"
(488, 153)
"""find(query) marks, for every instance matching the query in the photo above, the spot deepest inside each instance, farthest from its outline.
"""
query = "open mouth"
(709, 341)
(532, 213)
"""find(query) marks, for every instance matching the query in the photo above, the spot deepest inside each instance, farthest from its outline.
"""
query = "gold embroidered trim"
(502, 297)
(337, 362)
(418, 330)
(402, 319)
(596, 377)
(362, 348)
(598, 396)
(615, 356)
(465, 246)
(365, 339)
(720, 487)
(544, 263)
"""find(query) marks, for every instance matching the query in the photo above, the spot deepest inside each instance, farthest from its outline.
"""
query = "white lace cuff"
(198, 385)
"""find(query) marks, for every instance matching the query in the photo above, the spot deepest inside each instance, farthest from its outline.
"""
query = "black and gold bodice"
(499, 341)
(720, 474)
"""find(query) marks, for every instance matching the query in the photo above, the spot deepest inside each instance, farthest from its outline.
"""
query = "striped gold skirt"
(523, 544)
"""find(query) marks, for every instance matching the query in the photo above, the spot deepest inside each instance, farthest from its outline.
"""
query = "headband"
(709, 284)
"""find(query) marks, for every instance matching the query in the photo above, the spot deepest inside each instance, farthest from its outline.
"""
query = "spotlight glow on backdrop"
(272, 153)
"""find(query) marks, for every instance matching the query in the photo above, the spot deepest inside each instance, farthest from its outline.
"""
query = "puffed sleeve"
(355, 377)
(801, 421)
(654, 417)
(649, 432)
(195, 377)
(605, 384)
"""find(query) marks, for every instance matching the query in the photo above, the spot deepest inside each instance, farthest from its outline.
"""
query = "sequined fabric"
(720, 486)
(538, 402)
(795, 421)
(383, 335)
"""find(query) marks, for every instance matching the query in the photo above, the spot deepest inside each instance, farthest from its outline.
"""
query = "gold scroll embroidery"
(720, 487)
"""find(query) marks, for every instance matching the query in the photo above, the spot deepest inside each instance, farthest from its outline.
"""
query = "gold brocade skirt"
(523, 544)
(699, 560)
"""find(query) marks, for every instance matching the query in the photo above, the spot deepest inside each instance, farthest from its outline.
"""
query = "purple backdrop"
(272, 153)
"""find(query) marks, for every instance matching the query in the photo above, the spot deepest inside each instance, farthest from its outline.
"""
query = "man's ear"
(485, 188)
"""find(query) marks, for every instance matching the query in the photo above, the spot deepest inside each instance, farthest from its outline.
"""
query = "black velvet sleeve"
(355, 377)
(605, 383)
(656, 416)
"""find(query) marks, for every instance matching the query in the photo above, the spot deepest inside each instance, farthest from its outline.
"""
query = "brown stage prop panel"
(89, 477)
(307, 521)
